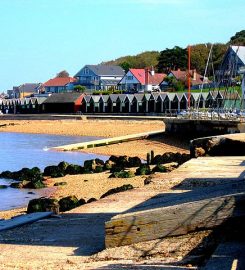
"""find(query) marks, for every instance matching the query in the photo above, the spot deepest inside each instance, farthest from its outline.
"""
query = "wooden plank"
(172, 220)
(23, 219)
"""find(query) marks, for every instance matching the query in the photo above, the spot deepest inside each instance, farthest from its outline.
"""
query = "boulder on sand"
(43, 205)
(68, 203)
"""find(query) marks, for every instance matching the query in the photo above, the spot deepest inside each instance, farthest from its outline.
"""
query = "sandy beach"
(88, 186)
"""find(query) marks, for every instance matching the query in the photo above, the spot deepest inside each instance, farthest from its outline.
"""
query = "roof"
(139, 74)
(138, 97)
(122, 97)
(104, 70)
(162, 96)
(104, 97)
(95, 98)
(63, 97)
(28, 87)
(59, 81)
(109, 82)
(113, 97)
(87, 98)
(181, 75)
(240, 52)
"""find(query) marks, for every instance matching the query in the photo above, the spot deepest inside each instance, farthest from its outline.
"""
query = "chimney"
(194, 75)
(146, 76)
(152, 71)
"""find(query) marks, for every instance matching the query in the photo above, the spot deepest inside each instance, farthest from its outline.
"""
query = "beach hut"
(137, 103)
(128, 103)
(121, 103)
(67, 102)
(85, 104)
(145, 102)
(94, 104)
(103, 103)
(152, 102)
(113, 106)
(162, 103)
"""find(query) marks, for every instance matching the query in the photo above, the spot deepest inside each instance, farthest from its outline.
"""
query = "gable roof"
(28, 87)
(63, 97)
(139, 74)
(181, 75)
(240, 52)
(59, 81)
(103, 70)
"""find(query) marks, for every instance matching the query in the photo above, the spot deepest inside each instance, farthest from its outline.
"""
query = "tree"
(238, 38)
(125, 66)
(172, 59)
(62, 74)
(79, 88)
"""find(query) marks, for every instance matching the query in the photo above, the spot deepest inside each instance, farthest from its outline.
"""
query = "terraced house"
(99, 77)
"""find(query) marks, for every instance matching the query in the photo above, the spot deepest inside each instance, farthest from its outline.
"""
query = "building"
(141, 80)
(68, 102)
(99, 77)
(59, 85)
(24, 90)
(196, 79)
(233, 61)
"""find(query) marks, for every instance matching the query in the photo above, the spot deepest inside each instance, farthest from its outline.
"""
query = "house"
(233, 61)
(68, 102)
(141, 80)
(196, 80)
(99, 77)
(59, 85)
(24, 90)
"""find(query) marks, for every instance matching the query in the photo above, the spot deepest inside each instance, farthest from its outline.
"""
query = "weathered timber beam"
(174, 220)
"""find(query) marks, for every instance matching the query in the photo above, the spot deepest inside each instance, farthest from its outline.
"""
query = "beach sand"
(90, 185)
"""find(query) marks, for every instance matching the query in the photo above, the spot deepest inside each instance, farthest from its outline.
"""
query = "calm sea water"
(19, 150)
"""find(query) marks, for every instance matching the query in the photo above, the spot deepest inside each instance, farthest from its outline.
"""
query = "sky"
(39, 38)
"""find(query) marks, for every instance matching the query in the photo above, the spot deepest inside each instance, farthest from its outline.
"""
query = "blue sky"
(39, 38)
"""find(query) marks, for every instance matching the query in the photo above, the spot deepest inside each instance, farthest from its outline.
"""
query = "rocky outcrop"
(117, 190)
(225, 145)
(144, 169)
(68, 203)
(170, 157)
(43, 205)
(122, 174)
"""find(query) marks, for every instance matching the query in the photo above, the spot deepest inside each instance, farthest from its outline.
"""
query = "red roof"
(139, 74)
(181, 75)
(59, 81)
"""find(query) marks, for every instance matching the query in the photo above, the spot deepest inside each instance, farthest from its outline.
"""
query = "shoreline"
(94, 185)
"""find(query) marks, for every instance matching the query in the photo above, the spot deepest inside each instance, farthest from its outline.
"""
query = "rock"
(148, 180)
(123, 161)
(93, 163)
(53, 171)
(43, 205)
(74, 169)
(199, 152)
(34, 185)
(109, 164)
(3, 186)
(159, 168)
(144, 169)
(63, 166)
(91, 200)
(21, 184)
(122, 174)
(60, 184)
(98, 169)
(113, 158)
(171, 166)
(224, 145)
(134, 162)
(82, 201)
(68, 203)
(117, 190)
(116, 169)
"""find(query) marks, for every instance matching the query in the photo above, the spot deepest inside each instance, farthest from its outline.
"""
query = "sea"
(20, 150)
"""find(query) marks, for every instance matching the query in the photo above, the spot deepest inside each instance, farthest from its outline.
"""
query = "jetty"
(107, 141)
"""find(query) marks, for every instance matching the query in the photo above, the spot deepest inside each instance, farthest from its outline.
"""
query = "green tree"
(79, 88)
(172, 59)
(238, 38)
(125, 66)
(62, 74)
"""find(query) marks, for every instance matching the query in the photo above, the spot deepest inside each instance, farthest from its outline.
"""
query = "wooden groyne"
(107, 141)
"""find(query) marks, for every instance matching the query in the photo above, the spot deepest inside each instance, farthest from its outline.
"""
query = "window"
(129, 77)
(86, 71)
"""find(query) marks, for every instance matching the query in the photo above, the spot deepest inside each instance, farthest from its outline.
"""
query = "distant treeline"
(177, 57)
